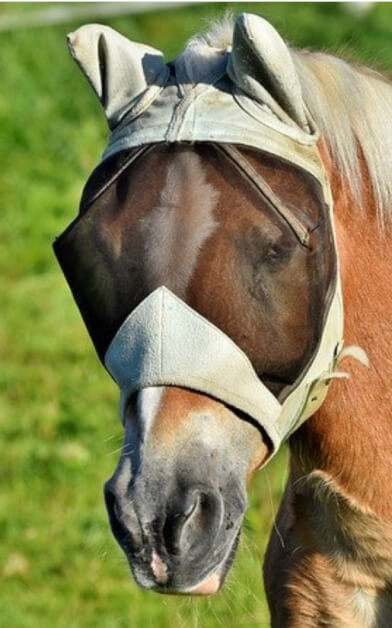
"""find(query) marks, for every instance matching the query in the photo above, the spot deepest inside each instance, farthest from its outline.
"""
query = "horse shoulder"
(329, 560)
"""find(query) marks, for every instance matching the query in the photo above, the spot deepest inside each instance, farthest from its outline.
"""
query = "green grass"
(59, 566)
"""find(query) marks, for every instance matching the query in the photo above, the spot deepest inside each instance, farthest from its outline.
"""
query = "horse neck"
(350, 438)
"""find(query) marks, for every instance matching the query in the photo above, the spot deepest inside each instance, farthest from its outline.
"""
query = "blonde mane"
(351, 105)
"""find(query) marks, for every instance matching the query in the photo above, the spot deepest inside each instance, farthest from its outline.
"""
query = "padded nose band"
(165, 342)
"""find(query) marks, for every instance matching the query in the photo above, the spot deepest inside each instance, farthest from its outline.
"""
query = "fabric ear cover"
(126, 76)
(261, 65)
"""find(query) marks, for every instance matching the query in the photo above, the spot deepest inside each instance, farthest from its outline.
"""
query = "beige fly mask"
(248, 95)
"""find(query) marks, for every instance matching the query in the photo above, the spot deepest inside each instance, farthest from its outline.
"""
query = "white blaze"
(148, 404)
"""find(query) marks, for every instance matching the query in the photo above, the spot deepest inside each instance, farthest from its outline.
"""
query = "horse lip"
(210, 582)
(208, 586)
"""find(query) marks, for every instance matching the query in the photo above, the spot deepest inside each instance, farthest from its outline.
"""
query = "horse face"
(186, 218)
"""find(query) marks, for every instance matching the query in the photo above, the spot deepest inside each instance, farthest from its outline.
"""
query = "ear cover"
(126, 76)
(261, 65)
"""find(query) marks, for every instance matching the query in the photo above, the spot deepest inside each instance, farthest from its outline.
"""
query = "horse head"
(203, 261)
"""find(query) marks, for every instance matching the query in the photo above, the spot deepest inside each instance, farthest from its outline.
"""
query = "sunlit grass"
(60, 435)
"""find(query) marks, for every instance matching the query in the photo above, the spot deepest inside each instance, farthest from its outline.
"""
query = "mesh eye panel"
(101, 253)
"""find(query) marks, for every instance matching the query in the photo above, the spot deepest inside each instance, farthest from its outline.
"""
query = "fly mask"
(240, 101)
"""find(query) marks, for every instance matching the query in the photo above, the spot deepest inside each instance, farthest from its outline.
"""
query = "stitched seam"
(139, 153)
(162, 305)
(262, 186)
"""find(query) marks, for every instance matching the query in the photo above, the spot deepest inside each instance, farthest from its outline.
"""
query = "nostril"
(205, 516)
(118, 528)
(192, 507)
(116, 511)
(123, 521)
(172, 527)
(192, 527)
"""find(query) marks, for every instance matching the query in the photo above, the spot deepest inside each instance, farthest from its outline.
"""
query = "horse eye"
(275, 250)
(278, 253)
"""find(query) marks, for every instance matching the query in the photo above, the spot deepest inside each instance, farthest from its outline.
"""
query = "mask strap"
(262, 186)
(351, 351)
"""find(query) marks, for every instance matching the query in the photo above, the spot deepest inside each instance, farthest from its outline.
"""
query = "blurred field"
(60, 435)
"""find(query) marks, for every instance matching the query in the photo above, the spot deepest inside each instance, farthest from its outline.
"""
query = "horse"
(212, 243)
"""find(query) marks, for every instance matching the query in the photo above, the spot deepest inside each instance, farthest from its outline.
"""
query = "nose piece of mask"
(165, 342)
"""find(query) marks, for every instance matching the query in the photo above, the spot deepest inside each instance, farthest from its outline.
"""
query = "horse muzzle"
(182, 541)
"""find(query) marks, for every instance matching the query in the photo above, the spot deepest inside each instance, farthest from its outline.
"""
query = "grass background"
(60, 436)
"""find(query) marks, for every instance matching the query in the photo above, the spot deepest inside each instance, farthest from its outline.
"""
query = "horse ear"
(124, 75)
(261, 65)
